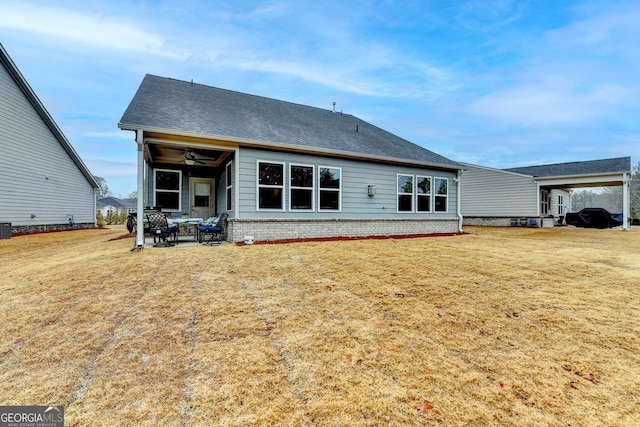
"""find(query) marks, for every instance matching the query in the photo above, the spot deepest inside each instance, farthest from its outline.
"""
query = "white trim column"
(626, 206)
(140, 207)
(236, 182)
(458, 181)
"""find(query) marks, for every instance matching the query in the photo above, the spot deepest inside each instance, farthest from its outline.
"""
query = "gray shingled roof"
(591, 167)
(179, 106)
(115, 202)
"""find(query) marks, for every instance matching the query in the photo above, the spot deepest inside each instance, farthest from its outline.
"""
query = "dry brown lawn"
(497, 327)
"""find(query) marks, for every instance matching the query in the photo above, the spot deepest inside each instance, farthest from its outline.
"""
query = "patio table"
(187, 225)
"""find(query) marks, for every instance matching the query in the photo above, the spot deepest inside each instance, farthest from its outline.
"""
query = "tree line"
(609, 198)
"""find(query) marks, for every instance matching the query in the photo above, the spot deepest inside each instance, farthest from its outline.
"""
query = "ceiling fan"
(190, 158)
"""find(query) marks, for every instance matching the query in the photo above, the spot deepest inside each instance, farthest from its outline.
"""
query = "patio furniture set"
(166, 231)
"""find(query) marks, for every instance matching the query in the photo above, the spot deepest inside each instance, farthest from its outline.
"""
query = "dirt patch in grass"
(501, 326)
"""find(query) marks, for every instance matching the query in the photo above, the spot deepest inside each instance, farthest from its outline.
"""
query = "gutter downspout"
(459, 185)
(140, 204)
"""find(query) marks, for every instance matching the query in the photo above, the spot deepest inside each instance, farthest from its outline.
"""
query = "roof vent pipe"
(334, 106)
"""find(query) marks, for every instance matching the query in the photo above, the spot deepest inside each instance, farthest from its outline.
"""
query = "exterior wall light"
(371, 190)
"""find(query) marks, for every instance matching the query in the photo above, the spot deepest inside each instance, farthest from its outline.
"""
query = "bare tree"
(103, 188)
(133, 196)
(583, 199)
(635, 191)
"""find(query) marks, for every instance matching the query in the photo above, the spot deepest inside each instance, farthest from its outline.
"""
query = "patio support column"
(625, 201)
(458, 193)
(140, 207)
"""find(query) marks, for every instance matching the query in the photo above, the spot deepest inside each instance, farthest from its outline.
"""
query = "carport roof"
(590, 167)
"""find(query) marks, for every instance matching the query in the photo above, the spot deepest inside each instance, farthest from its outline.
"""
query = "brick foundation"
(501, 221)
(18, 230)
(301, 229)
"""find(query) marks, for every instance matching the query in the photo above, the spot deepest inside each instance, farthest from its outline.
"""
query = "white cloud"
(110, 135)
(606, 32)
(487, 15)
(86, 28)
(584, 73)
(111, 168)
(536, 105)
(341, 60)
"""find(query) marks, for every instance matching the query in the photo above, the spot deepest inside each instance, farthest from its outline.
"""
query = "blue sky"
(494, 82)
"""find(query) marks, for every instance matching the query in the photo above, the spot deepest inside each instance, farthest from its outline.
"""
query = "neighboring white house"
(530, 195)
(44, 185)
(115, 206)
(283, 170)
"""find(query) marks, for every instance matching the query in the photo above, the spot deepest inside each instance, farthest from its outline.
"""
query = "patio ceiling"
(185, 155)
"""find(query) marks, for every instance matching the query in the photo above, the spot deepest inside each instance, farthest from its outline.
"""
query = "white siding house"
(535, 195)
(44, 185)
(492, 194)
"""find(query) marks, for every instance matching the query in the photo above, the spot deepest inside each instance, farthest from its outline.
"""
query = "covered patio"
(184, 178)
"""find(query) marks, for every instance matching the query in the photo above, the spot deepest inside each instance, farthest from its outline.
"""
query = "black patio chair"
(163, 233)
(213, 234)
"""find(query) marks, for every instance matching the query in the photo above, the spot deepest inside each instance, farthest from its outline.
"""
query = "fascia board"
(496, 170)
(287, 147)
(582, 179)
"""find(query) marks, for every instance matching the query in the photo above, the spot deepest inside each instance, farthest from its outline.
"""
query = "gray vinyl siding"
(29, 153)
(494, 193)
(356, 176)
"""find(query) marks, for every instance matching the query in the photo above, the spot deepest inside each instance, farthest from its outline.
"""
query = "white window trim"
(228, 200)
(179, 190)
(430, 194)
(312, 188)
(339, 189)
(413, 193)
(545, 202)
(258, 186)
(435, 194)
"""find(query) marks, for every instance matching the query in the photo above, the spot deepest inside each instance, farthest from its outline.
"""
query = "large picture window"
(423, 193)
(441, 198)
(330, 186)
(167, 189)
(405, 193)
(270, 186)
(301, 187)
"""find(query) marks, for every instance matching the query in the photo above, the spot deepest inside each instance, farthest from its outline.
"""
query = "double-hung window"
(405, 193)
(330, 188)
(441, 197)
(545, 201)
(560, 205)
(167, 189)
(270, 186)
(423, 193)
(301, 187)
